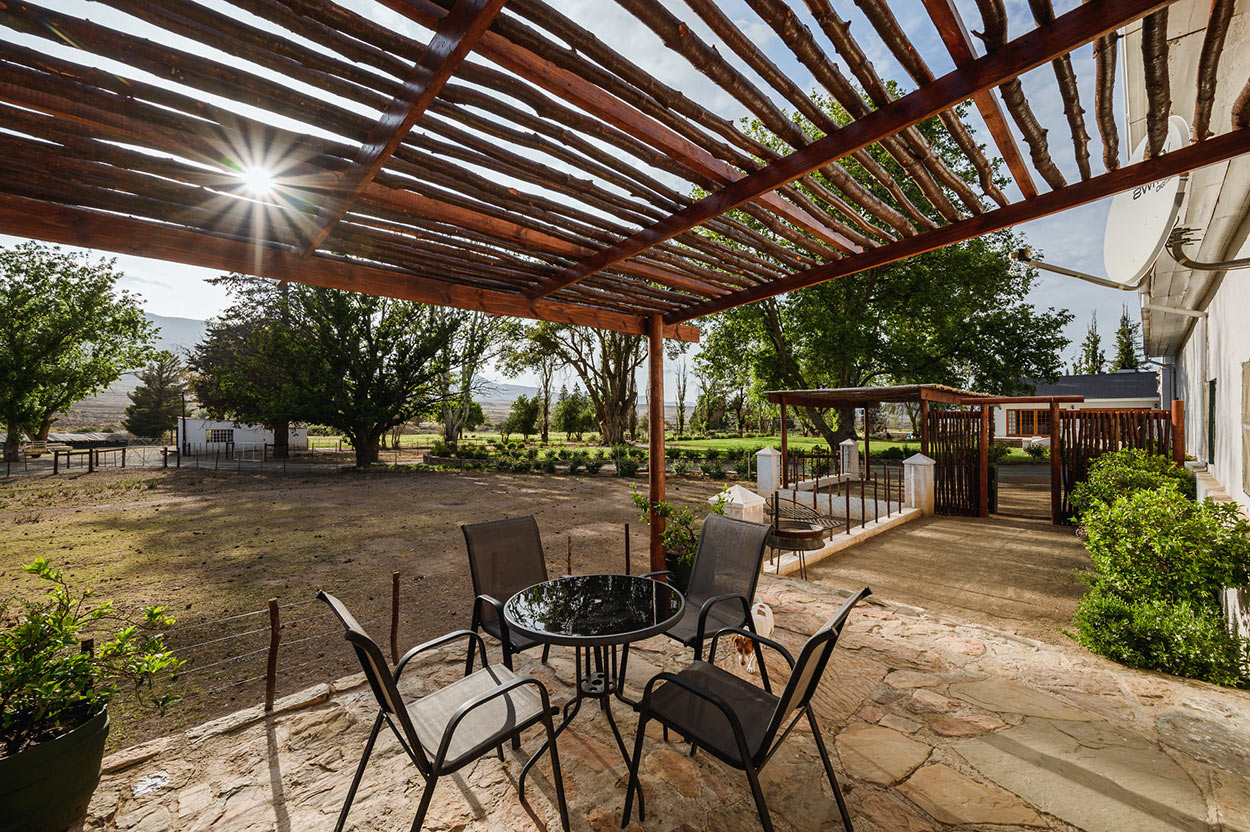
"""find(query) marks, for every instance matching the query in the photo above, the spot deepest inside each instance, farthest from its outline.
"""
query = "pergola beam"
(111, 232)
(602, 105)
(950, 26)
(1179, 161)
(454, 38)
(1032, 49)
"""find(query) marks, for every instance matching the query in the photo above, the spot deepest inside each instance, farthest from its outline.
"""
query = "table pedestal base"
(598, 677)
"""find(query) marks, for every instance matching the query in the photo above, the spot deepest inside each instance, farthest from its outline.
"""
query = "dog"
(762, 618)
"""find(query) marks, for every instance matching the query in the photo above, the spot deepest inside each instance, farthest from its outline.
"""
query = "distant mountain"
(503, 392)
(106, 409)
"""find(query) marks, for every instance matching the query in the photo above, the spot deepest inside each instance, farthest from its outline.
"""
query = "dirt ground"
(212, 546)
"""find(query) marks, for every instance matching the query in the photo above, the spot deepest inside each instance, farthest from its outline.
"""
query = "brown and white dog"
(762, 618)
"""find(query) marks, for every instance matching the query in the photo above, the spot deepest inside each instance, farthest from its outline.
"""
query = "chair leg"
(555, 773)
(546, 652)
(424, 807)
(758, 794)
(360, 770)
(833, 781)
(633, 776)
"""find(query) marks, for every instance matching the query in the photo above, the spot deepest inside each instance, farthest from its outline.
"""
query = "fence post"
(123, 456)
(56, 462)
(1056, 474)
(627, 569)
(271, 668)
(1178, 431)
(90, 460)
(164, 457)
(394, 617)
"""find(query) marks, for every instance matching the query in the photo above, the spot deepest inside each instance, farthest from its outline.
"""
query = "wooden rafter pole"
(950, 26)
(94, 229)
(1190, 157)
(983, 464)
(655, 430)
(1030, 50)
(455, 37)
(1056, 459)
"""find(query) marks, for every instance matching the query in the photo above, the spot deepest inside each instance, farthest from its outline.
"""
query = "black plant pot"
(681, 571)
(46, 788)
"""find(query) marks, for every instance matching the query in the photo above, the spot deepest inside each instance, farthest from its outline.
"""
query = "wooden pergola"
(507, 160)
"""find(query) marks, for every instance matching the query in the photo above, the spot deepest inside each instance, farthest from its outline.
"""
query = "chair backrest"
(377, 672)
(505, 556)
(811, 666)
(728, 559)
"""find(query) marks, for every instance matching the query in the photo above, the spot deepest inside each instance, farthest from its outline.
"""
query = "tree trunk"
(844, 431)
(367, 445)
(41, 435)
(281, 440)
(12, 441)
(546, 414)
(612, 424)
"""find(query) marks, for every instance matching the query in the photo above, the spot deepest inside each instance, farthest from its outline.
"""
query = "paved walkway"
(935, 725)
(1014, 572)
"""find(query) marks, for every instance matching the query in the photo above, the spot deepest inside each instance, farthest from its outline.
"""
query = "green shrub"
(735, 454)
(1122, 472)
(440, 448)
(549, 465)
(522, 466)
(1037, 450)
(503, 464)
(671, 453)
(742, 467)
(593, 465)
(681, 467)
(626, 466)
(712, 454)
(712, 470)
(577, 461)
(531, 454)
(1161, 544)
(998, 452)
(1150, 633)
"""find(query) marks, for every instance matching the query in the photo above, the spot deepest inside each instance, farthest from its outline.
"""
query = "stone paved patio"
(934, 723)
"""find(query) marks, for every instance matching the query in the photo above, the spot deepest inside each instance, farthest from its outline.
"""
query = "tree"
(1091, 358)
(357, 363)
(522, 418)
(477, 337)
(1128, 353)
(156, 404)
(573, 413)
(604, 361)
(65, 334)
(953, 316)
(525, 353)
(681, 399)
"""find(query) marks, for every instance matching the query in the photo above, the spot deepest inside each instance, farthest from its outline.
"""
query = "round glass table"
(597, 615)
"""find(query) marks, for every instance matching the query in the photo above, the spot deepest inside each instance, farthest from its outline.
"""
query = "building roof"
(872, 396)
(1123, 385)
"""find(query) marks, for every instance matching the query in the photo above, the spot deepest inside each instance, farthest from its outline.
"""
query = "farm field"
(216, 546)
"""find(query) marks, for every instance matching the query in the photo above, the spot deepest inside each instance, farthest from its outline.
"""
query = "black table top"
(591, 610)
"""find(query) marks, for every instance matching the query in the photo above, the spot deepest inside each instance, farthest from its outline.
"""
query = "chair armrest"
(708, 696)
(475, 640)
(495, 603)
(478, 701)
(668, 572)
(706, 609)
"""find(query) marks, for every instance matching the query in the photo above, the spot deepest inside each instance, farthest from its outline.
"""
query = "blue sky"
(1073, 238)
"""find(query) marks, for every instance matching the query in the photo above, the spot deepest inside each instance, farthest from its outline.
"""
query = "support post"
(983, 465)
(394, 617)
(1178, 431)
(655, 429)
(867, 430)
(1056, 475)
(271, 666)
(924, 427)
(785, 447)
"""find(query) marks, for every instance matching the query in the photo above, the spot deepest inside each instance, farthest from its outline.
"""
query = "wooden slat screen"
(1087, 434)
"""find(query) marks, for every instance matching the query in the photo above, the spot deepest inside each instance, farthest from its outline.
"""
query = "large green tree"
(1092, 358)
(358, 363)
(66, 333)
(157, 402)
(954, 316)
(462, 358)
(536, 355)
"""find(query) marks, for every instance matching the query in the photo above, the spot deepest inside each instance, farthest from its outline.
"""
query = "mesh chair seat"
(484, 727)
(691, 715)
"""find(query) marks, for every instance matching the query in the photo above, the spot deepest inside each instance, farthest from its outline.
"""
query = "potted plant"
(681, 537)
(54, 696)
(996, 454)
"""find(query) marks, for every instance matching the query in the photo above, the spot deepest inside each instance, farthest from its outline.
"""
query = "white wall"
(197, 432)
(1000, 413)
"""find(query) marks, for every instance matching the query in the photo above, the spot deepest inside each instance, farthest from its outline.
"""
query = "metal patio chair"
(722, 582)
(736, 721)
(505, 556)
(459, 723)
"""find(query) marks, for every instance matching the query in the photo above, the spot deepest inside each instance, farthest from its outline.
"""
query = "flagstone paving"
(934, 724)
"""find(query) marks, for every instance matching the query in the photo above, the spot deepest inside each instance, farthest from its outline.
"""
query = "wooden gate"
(955, 447)
(1087, 434)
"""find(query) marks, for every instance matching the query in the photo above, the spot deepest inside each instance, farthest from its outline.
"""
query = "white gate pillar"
(918, 483)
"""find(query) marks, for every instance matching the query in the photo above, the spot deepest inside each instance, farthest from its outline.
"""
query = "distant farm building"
(210, 434)
(1125, 390)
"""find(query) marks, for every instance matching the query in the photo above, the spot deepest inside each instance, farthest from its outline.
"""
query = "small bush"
(671, 453)
(593, 465)
(531, 454)
(440, 448)
(998, 452)
(712, 454)
(1120, 473)
(1037, 450)
(681, 467)
(712, 470)
(522, 466)
(549, 465)
(576, 462)
(626, 466)
(551, 454)
(742, 467)
(735, 454)
(1150, 633)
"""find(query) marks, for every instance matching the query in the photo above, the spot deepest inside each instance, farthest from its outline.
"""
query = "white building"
(1207, 348)
(207, 435)
(1125, 390)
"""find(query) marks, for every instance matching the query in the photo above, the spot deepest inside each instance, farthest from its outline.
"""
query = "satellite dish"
(1141, 219)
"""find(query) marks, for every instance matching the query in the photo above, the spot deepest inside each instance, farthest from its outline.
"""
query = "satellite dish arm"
(1181, 237)
(1025, 255)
